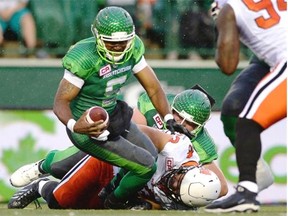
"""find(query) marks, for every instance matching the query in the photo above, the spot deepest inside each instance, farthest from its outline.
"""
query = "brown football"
(97, 113)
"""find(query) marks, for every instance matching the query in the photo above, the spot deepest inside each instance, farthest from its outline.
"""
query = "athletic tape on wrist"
(168, 117)
(70, 124)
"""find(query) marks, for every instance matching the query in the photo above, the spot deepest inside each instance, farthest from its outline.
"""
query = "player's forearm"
(65, 94)
(226, 60)
(228, 43)
(161, 103)
(62, 111)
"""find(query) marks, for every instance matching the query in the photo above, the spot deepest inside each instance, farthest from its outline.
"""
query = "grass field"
(266, 210)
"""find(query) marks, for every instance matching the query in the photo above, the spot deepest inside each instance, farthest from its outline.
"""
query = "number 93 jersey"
(263, 27)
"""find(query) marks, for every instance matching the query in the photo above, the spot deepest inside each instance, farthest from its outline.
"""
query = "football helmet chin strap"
(117, 56)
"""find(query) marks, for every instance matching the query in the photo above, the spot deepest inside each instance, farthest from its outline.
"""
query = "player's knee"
(231, 106)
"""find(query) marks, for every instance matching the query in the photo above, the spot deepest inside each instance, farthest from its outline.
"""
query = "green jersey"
(147, 109)
(203, 142)
(102, 80)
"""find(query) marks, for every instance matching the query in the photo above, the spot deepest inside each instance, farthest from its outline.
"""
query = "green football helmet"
(193, 106)
(114, 24)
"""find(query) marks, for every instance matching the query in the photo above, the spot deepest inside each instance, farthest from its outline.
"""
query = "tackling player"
(192, 109)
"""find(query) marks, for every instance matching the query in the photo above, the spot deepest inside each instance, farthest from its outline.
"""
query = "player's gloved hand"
(179, 128)
(173, 126)
(186, 132)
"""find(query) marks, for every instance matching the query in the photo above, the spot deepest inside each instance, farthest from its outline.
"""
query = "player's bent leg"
(239, 93)
(58, 163)
(140, 139)
(139, 162)
(80, 187)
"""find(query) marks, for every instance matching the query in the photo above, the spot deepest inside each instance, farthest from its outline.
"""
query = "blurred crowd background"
(170, 29)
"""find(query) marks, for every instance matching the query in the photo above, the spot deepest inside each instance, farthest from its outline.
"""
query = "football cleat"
(242, 200)
(26, 174)
(26, 195)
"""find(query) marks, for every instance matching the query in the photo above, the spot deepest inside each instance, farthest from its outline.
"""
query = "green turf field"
(274, 210)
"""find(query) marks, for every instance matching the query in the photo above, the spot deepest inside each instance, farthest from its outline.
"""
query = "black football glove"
(173, 126)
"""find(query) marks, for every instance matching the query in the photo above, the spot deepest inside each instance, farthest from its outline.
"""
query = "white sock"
(41, 184)
(251, 186)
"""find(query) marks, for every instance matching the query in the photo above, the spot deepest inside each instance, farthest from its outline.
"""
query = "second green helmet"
(193, 106)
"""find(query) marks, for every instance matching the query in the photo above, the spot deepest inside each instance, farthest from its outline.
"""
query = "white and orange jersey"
(177, 152)
(262, 27)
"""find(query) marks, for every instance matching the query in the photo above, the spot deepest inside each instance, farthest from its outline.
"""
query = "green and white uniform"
(100, 83)
(202, 142)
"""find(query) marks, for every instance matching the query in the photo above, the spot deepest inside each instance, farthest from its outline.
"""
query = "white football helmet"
(190, 186)
(199, 187)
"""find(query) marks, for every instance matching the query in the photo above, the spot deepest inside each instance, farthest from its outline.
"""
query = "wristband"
(168, 117)
(70, 124)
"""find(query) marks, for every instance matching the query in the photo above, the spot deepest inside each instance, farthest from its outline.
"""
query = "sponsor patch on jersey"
(105, 70)
(118, 71)
(158, 121)
(169, 163)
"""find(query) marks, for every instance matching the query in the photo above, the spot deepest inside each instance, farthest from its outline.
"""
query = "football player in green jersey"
(96, 69)
(192, 102)
(192, 109)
